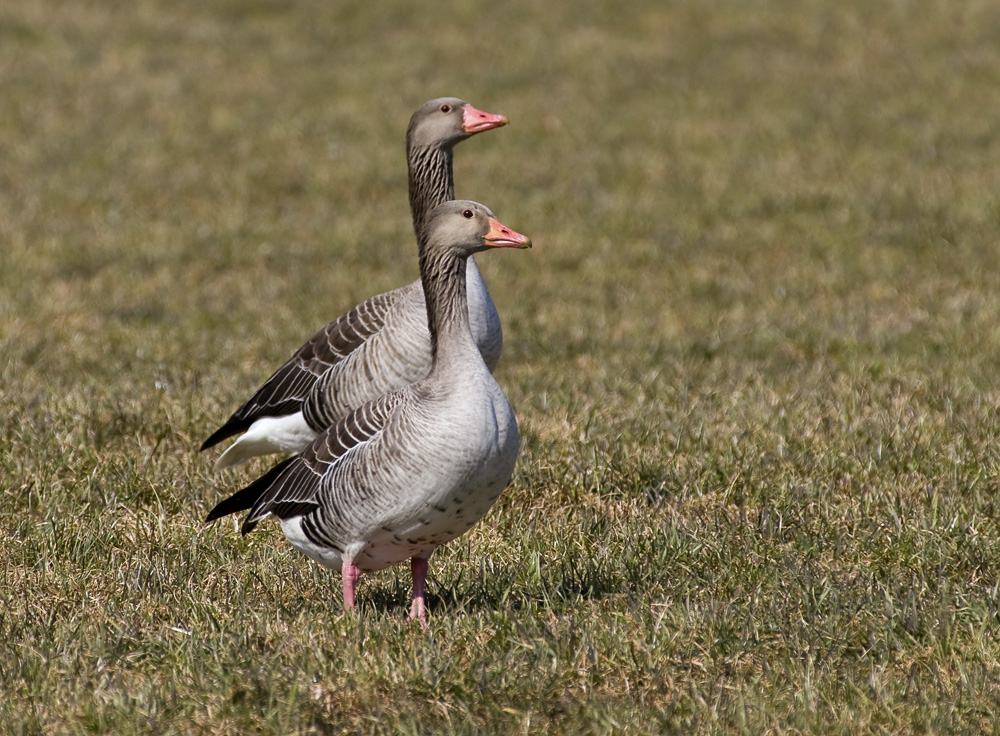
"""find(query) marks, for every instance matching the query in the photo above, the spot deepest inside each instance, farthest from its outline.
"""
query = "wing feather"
(286, 389)
(291, 487)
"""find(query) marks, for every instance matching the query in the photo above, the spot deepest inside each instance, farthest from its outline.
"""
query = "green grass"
(754, 355)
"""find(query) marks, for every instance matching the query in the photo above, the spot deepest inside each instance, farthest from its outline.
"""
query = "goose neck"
(444, 280)
(431, 181)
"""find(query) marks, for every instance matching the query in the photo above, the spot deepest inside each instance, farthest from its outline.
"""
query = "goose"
(403, 474)
(381, 344)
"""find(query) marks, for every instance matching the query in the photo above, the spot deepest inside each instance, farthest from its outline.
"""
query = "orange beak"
(501, 236)
(476, 121)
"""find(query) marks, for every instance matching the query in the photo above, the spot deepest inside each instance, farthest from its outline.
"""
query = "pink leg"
(350, 573)
(418, 567)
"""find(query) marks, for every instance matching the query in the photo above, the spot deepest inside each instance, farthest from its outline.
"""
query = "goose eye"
(446, 108)
(467, 214)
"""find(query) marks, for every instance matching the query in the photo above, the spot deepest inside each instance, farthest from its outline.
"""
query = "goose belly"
(447, 479)
(458, 483)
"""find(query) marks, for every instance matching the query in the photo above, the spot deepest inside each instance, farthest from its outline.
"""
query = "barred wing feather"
(284, 392)
(291, 487)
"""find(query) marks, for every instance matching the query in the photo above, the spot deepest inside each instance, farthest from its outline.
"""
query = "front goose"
(382, 344)
(414, 469)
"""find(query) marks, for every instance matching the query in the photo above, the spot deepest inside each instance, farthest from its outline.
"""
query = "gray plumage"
(405, 473)
(381, 344)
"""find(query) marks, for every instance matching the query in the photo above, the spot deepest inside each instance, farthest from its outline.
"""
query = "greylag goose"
(382, 344)
(402, 475)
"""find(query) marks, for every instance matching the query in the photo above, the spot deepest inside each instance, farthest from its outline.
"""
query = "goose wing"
(291, 488)
(284, 392)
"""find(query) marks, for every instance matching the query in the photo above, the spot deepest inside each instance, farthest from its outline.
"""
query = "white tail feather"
(271, 434)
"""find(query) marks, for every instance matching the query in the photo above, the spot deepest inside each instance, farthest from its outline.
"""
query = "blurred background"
(189, 190)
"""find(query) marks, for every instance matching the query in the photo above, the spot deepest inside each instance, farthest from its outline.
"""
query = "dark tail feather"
(245, 499)
(231, 427)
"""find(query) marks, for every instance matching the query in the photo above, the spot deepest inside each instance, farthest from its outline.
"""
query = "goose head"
(461, 228)
(444, 121)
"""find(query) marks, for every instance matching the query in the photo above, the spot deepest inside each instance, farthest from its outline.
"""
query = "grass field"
(754, 355)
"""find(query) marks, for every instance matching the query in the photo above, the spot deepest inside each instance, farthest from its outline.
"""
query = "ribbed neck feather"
(431, 181)
(442, 275)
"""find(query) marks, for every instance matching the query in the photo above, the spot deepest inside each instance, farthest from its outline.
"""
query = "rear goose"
(382, 344)
(414, 469)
